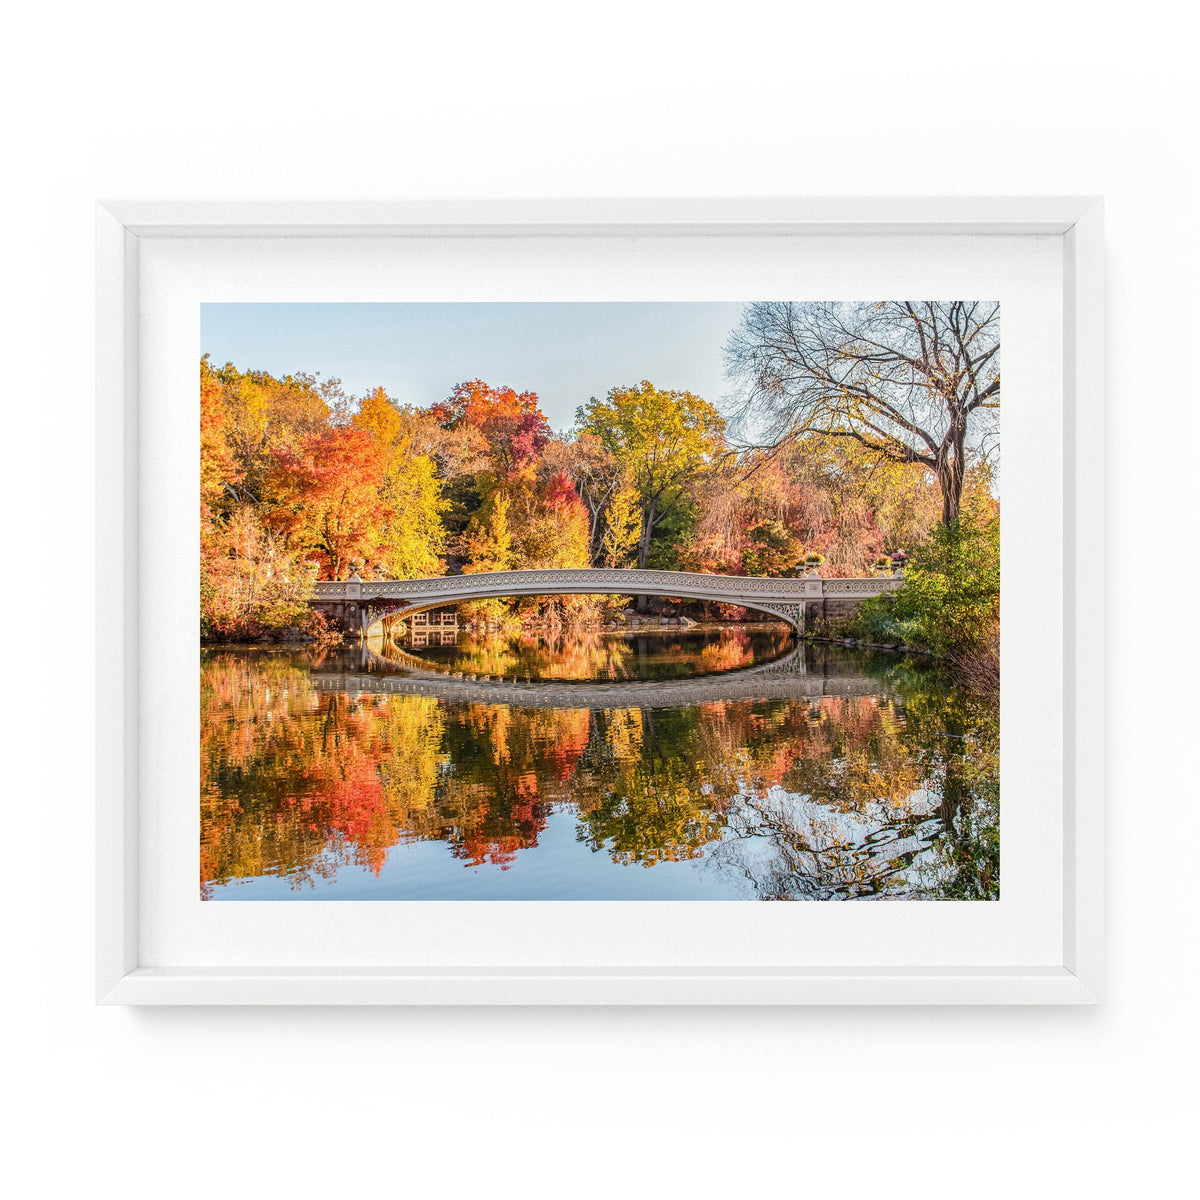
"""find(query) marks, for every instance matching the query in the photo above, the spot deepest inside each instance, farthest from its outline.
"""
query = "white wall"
(249, 99)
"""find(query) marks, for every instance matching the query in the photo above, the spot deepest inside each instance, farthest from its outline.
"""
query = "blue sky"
(565, 352)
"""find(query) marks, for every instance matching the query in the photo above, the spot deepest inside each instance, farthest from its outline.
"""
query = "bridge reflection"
(390, 670)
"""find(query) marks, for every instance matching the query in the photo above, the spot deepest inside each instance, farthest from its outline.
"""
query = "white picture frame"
(125, 230)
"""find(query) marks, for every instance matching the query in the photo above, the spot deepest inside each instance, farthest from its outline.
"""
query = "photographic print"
(600, 601)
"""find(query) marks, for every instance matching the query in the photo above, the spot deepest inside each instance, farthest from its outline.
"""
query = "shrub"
(950, 601)
(488, 614)
(952, 584)
(251, 586)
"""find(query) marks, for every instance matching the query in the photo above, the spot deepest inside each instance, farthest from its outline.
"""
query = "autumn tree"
(219, 471)
(250, 581)
(915, 382)
(763, 510)
(330, 499)
(251, 578)
(623, 524)
(546, 519)
(412, 534)
(511, 421)
(597, 476)
(454, 451)
(530, 522)
(489, 541)
(555, 525)
(665, 440)
(263, 417)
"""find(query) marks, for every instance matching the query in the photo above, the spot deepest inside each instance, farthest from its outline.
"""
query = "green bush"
(949, 603)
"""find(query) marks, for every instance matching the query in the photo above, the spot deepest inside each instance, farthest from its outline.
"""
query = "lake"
(722, 763)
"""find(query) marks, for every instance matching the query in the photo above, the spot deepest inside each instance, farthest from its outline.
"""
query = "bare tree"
(902, 378)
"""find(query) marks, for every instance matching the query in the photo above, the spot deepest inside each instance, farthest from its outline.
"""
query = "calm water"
(685, 765)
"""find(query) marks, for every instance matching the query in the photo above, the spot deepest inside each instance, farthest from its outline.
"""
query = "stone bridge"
(362, 607)
(785, 677)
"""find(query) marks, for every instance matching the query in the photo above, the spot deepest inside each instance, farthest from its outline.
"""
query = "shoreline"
(649, 625)
(638, 626)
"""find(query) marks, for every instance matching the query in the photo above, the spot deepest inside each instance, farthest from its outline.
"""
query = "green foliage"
(670, 534)
(666, 440)
(772, 550)
(950, 601)
(463, 501)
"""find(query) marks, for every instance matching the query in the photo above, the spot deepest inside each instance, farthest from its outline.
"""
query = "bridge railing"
(614, 581)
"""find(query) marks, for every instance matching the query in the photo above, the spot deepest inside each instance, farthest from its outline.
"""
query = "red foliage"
(559, 493)
(514, 425)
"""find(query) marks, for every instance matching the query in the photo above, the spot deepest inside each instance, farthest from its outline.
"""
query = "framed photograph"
(593, 602)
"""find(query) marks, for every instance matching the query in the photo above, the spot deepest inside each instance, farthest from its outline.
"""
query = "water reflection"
(846, 778)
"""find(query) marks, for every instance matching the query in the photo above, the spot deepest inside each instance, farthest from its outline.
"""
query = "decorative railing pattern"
(859, 587)
(603, 580)
(784, 598)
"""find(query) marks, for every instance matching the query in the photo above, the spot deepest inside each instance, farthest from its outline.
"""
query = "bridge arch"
(377, 621)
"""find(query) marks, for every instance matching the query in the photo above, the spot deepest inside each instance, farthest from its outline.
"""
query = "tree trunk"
(951, 495)
(643, 602)
(950, 469)
(594, 538)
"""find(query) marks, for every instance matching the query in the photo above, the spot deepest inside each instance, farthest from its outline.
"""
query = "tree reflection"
(788, 848)
(889, 796)
(508, 769)
(601, 657)
(868, 798)
(299, 783)
(646, 792)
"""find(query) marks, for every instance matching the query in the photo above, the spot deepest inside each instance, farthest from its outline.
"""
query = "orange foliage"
(514, 426)
(330, 500)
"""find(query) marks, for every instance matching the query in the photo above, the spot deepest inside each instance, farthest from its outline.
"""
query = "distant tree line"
(853, 431)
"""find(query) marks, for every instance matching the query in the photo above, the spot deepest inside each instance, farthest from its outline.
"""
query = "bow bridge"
(368, 607)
